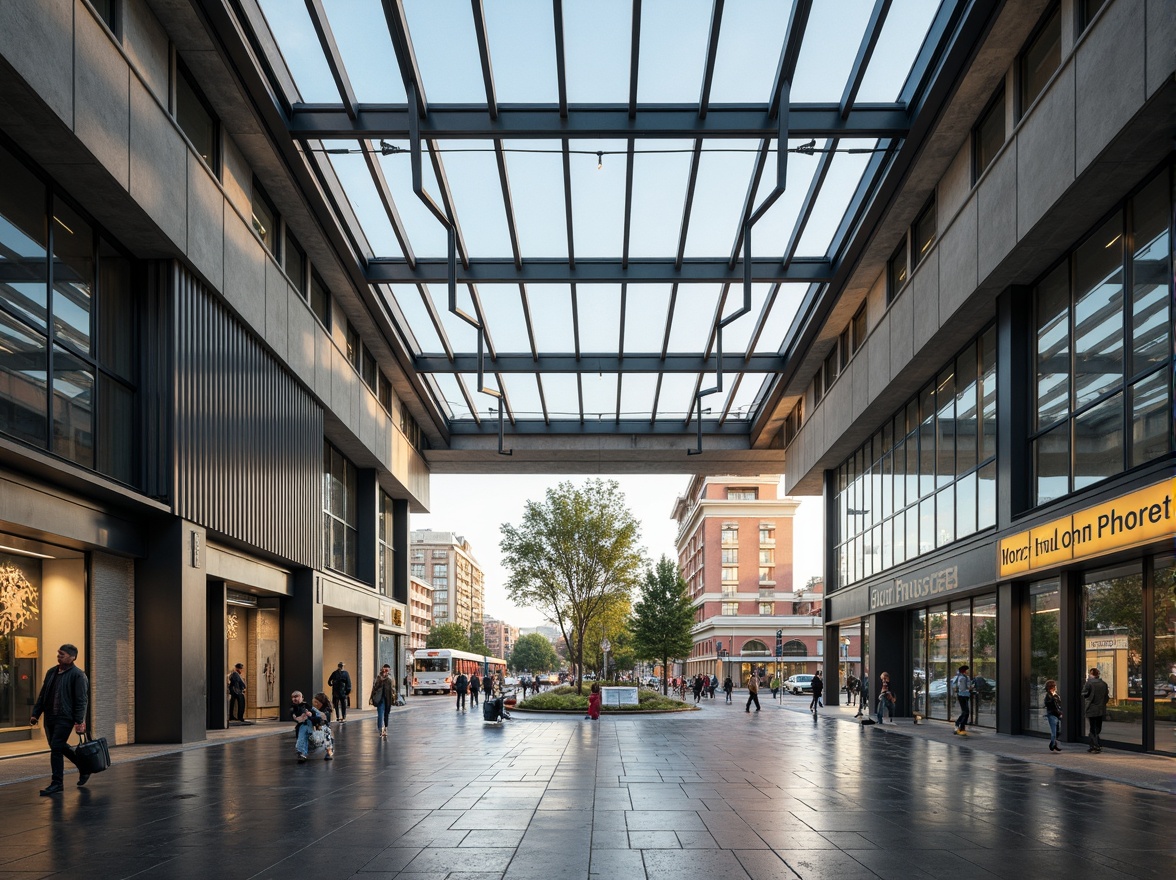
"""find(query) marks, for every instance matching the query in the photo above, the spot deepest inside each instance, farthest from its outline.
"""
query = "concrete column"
(1012, 645)
(831, 664)
(302, 640)
(888, 653)
(1014, 471)
(112, 647)
(400, 539)
(367, 513)
(218, 700)
(1071, 657)
(171, 626)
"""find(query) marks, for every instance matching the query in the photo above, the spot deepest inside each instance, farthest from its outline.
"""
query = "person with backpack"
(475, 686)
(728, 686)
(461, 685)
(340, 685)
(962, 684)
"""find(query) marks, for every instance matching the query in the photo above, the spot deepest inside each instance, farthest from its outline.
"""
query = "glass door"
(1163, 677)
(1044, 663)
(984, 661)
(1113, 600)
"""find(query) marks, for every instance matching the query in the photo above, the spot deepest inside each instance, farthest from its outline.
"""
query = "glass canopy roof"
(553, 199)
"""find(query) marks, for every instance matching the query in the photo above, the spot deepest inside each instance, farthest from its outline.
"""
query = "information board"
(618, 696)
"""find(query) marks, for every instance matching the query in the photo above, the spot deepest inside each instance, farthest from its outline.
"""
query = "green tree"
(448, 635)
(663, 618)
(533, 653)
(478, 639)
(612, 624)
(571, 555)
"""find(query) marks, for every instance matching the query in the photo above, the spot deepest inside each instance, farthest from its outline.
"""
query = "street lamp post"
(605, 645)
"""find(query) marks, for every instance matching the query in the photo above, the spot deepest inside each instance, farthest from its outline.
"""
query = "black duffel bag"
(92, 753)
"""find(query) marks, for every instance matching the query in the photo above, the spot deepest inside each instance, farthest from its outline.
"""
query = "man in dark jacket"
(64, 698)
(237, 694)
(818, 689)
(475, 686)
(340, 685)
(461, 686)
(1095, 695)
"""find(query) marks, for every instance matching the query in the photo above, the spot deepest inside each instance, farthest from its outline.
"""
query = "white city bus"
(435, 669)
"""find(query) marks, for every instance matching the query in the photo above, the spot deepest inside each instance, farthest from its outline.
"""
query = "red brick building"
(735, 553)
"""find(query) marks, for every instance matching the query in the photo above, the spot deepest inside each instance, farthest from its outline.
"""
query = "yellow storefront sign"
(1128, 521)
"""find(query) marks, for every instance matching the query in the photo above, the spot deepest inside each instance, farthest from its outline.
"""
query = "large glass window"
(384, 535)
(67, 329)
(340, 516)
(923, 234)
(938, 680)
(195, 117)
(1113, 603)
(927, 477)
(989, 135)
(1163, 692)
(1044, 656)
(897, 271)
(1040, 59)
(984, 661)
(919, 662)
(1103, 362)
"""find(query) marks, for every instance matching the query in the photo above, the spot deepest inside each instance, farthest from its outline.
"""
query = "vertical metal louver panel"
(248, 438)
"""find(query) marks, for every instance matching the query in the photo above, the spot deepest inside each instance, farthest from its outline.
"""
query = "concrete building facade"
(986, 403)
(420, 613)
(500, 637)
(446, 560)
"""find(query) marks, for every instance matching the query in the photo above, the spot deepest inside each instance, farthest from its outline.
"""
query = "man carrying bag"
(63, 700)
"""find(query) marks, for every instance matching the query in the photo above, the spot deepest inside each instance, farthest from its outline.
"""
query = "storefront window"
(1114, 643)
(960, 643)
(1044, 663)
(984, 661)
(919, 662)
(340, 517)
(1164, 654)
(938, 680)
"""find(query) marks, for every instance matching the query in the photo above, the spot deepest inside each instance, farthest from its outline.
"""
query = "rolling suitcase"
(93, 754)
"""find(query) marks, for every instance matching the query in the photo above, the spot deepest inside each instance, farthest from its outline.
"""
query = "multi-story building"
(735, 553)
(420, 611)
(500, 637)
(985, 400)
(447, 562)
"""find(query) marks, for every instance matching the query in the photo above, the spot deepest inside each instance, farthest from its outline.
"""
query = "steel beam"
(555, 270)
(597, 122)
(591, 425)
(567, 362)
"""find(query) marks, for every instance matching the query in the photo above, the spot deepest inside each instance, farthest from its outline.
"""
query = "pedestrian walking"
(64, 698)
(237, 694)
(850, 687)
(340, 685)
(1095, 695)
(962, 684)
(462, 685)
(863, 695)
(714, 685)
(728, 687)
(1053, 713)
(383, 696)
(475, 686)
(886, 699)
(774, 684)
(697, 688)
(818, 688)
(752, 693)
(593, 704)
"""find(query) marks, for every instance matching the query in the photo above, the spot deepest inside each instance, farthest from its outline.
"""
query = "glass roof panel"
(597, 38)
(694, 312)
(536, 186)
(677, 396)
(718, 198)
(446, 47)
(831, 42)
(361, 32)
(551, 314)
(600, 396)
(563, 401)
(503, 309)
(486, 404)
(673, 50)
(522, 390)
(737, 334)
(845, 172)
(598, 201)
(898, 45)
(788, 300)
(472, 172)
(750, 41)
(637, 395)
(527, 75)
(425, 233)
(408, 300)
(353, 174)
(771, 232)
(746, 395)
(451, 394)
(645, 317)
(461, 335)
(659, 192)
(600, 317)
(300, 47)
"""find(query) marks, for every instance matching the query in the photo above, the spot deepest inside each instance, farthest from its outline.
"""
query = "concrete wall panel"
(902, 332)
(996, 213)
(924, 294)
(323, 351)
(279, 302)
(957, 270)
(302, 331)
(955, 186)
(102, 96)
(244, 262)
(146, 44)
(237, 177)
(878, 351)
(1110, 75)
(159, 166)
(1045, 152)
(37, 40)
(1161, 43)
(860, 383)
(342, 389)
(206, 223)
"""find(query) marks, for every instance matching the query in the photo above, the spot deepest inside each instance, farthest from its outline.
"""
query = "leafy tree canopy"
(448, 635)
(478, 639)
(533, 653)
(663, 617)
(571, 555)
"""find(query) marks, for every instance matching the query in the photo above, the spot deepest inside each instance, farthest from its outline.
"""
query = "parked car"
(799, 684)
(653, 681)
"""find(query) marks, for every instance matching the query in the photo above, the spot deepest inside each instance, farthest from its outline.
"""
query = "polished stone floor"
(713, 794)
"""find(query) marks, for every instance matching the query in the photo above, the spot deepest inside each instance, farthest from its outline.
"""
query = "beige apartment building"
(500, 637)
(446, 561)
(420, 612)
